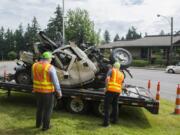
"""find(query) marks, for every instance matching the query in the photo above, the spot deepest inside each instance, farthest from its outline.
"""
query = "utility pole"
(63, 24)
(171, 46)
(170, 51)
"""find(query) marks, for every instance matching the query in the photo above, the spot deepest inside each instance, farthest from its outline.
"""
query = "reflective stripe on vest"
(115, 81)
(41, 79)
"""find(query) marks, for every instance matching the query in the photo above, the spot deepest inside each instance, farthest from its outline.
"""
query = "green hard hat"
(117, 65)
(47, 55)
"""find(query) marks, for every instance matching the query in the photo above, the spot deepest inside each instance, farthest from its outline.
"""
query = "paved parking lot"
(168, 82)
(8, 66)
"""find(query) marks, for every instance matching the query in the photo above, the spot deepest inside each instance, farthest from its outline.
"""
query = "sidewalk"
(151, 68)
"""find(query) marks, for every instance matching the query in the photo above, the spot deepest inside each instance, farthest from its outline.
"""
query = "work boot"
(113, 121)
(46, 128)
(38, 125)
(105, 124)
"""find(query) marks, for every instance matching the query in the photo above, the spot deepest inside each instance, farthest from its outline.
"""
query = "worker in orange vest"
(114, 82)
(45, 85)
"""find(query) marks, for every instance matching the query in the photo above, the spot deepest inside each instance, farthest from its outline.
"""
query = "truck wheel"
(23, 77)
(99, 108)
(121, 55)
(76, 105)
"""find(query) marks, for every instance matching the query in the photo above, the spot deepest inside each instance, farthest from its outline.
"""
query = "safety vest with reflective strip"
(115, 81)
(42, 82)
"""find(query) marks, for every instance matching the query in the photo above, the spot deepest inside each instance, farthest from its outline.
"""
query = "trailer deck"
(131, 96)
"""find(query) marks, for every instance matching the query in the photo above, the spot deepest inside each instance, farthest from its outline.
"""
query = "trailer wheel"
(98, 108)
(76, 105)
(23, 77)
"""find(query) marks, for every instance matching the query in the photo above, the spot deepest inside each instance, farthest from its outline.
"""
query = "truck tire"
(23, 77)
(121, 55)
(76, 105)
(98, 108)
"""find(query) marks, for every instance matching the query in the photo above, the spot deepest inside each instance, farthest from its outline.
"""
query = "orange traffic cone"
(177, 109)
(158, 92)
(149, 84)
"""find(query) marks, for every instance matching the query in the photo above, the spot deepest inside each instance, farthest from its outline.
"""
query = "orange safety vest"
(115, 81)
(42, 82)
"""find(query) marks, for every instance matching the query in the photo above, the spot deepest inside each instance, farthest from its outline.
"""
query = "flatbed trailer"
(78, 100)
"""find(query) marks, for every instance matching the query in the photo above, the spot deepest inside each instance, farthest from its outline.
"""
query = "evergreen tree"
(35, 28)
(19, 39)
(122, 38)
(32, 32)
(2, 43)
(9, 42)
(2, 33)
(116, 38)
(55, 24)
(106, 36)
(132, 34)
(162, 32)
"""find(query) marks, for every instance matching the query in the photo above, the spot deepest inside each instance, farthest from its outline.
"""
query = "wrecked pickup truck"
(75, 68)
(82, 76)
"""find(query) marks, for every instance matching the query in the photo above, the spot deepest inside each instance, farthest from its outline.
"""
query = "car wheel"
(23, 77)
(121, 55)
(98, 108)
(76, 105)
(171, 71)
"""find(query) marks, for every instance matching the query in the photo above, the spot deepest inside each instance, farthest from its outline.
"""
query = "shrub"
(140, 63)
(12, 55)
(160, 62)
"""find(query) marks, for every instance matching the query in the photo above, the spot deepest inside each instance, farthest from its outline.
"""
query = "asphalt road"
(168, 82)
(8, 66)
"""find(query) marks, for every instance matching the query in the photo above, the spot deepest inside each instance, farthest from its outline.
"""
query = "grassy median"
(17, 117)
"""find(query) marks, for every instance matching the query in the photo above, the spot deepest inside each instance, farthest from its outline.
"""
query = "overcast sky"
(114, 15)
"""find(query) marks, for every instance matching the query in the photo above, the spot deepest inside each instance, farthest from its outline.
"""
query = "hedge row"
(140, 63)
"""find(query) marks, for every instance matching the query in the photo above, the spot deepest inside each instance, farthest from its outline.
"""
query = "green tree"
(12, 55)
(55, 24)
(106, 36)
(19, 42)
(32, 32)
(9, 41)
(116, 38)
(2, 43)
(162, 32)
(80, 28)
(132, 34)
(122, 38)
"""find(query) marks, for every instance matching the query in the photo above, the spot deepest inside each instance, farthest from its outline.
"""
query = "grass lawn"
(17, 117)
